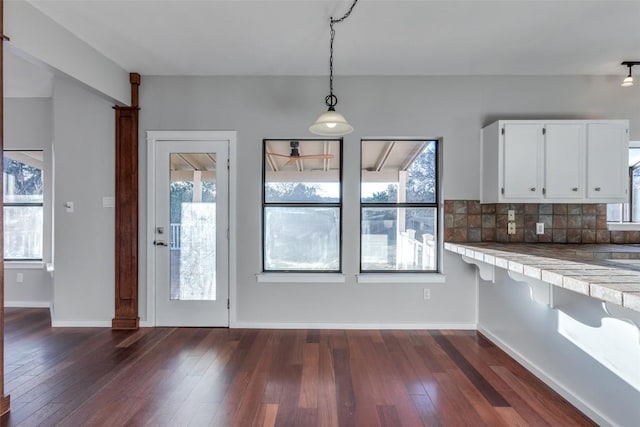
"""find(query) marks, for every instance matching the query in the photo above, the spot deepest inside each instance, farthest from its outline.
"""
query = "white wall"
(40, 39)
(454, 108)
(27, 126)
(586, 355)
(84, 157)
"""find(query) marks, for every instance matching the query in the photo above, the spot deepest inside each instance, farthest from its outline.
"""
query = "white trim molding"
(300, 278)
(381, 326)
(419, 278)
(81, 323)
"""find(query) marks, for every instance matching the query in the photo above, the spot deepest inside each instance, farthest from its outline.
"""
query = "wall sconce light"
(628, 81)
(332, 123)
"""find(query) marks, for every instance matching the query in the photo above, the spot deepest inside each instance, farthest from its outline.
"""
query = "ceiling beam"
(407, 164)
(384, 156)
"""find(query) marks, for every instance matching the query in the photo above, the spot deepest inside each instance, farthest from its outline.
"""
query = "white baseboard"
(28, 304)
(81, 323)
(405, 326)
(597, 417)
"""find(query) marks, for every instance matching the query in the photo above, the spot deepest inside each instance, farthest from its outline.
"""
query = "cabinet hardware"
(544, 131)
(533, 189)
(544, 190)
(502, 190)
(574, 189)
(597, 188)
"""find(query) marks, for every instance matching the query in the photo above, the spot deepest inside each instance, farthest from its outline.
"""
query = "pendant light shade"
(331, 123)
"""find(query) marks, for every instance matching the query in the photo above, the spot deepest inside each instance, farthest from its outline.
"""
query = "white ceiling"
(419, 37)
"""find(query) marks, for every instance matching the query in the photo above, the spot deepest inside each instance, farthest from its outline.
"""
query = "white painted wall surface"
(590, 358)
(454, 108)
(84, 152)
(27, 126)
(38, 37)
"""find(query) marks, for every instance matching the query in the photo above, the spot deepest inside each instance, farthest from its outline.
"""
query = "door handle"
(160, 243)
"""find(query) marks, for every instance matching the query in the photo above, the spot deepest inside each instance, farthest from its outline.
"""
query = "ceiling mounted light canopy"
(332, 123)
(628, 81)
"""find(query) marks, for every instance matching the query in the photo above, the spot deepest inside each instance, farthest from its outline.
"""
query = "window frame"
(266, 205)
(407, 205)
(6, 204)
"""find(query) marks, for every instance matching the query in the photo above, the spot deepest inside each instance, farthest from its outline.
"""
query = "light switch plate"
(511, 228)
(511, 215)
(539, 227)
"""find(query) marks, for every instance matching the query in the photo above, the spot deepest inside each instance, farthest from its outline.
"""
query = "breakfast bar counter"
(607, 272)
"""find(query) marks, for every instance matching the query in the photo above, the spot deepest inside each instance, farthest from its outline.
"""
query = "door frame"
(153, 137)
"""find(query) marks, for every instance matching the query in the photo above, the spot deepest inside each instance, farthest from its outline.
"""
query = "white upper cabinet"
(554, 161)
(521, 146)
(607, 152)
(564, 160)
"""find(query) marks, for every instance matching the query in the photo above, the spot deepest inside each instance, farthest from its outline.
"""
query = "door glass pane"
(193, 226)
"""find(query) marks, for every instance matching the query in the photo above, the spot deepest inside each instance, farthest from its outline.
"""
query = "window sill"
(300, 278)
(623, 226)
(401, 278)
(23, 265)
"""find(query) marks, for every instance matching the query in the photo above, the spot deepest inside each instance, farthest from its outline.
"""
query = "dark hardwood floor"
(239, 377)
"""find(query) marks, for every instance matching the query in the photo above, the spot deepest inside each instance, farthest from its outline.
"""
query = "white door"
(189, 236)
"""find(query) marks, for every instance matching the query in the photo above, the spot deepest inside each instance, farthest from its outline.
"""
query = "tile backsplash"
(470, 221)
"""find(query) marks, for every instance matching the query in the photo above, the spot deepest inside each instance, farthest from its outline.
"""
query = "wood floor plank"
(264, 378)
(310, 366)
(327, 398)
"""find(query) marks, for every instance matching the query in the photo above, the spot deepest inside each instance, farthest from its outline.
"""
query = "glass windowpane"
(193, 227)
(301, 212)
(23, 232)
(398, 172)
(302, 238)
(398, 239)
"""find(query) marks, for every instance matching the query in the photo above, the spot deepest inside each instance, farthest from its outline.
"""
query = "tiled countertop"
(607, 272)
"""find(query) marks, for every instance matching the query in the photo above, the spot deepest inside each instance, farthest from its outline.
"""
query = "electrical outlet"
(426, 293)
(539, 227)
(511, 228)
(511, 215)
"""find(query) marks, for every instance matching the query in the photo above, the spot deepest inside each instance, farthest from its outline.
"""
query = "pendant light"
(332, 123)
(628, 81)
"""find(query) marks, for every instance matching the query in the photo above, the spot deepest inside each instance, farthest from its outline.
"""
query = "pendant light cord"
(331, 100)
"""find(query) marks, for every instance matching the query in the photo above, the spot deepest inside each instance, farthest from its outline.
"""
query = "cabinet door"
(607, 161)
(522, 156)
(564, 160)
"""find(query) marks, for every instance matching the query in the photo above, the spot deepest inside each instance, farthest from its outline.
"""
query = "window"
(23, 205)
(399, 206)
(302, 205)
(629, 211)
